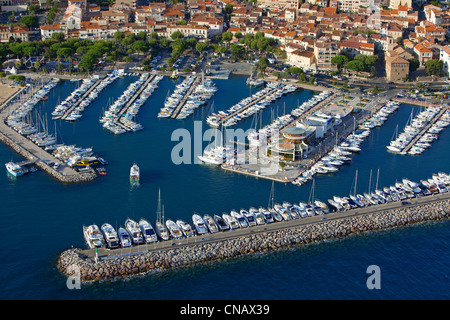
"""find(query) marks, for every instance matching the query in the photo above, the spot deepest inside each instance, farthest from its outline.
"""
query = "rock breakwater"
(174, 257)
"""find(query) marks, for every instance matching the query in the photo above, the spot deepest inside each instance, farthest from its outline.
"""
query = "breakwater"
(335, 225)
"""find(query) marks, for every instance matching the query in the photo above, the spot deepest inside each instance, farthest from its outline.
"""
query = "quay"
(118, 263)
(424, 130)
(228, 117)
(34, 154)
(76, 104)
(136, 95)
(188, 93)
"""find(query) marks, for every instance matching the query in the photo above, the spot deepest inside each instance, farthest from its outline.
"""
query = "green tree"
(263, 63)
(30, 21)
(356, 65)
(339, 60)
(227, 36)
(200, 47)
(433, 66)
(58, 36)
(413, 64)
(236, 51)
(176, 35)
(141, 46)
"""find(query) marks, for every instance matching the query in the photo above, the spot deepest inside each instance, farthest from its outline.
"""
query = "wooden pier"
(183, 101)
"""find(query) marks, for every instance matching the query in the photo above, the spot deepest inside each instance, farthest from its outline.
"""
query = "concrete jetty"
(424, 130)
(251, 104)
(183, 101)
(76, 104)
(111, 264)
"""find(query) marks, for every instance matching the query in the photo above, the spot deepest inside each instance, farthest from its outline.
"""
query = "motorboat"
(231, 221)
(240, 218)
(134, 173)
(221, 223)
(134, 231)
(93, 236)
(210, 223)
(110, 235)
(199, 224)
(260, 219)
(14, 169)
(147, 231)
(174, 229)
(283, 212)
(251, 219)
(276, 215)
(124, 238)
(185, 228)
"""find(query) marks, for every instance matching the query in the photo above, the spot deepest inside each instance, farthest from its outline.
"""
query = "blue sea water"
(42, 217)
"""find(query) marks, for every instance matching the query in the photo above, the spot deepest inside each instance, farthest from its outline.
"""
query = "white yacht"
(221, 223)
(93, 236)
(210, 223)
(232, 221)
(147, 231)
(251, 219)
(185, 228)
(134, 231)
(124, 238)
(267, 215)
(14, 169)
(174, 229)
(199, 223)
(240, 218)
(111, 238)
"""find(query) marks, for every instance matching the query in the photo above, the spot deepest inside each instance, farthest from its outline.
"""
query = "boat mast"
(356, 179)
(370, 180)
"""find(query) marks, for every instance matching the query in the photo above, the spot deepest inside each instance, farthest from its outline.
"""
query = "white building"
(445, 57)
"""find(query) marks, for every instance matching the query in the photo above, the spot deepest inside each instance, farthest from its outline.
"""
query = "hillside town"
(382, 38)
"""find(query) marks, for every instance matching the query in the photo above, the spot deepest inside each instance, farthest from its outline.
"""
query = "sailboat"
(161, 229)
(276, 215)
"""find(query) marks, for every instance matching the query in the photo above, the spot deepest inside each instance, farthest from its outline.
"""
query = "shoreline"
(334, 226)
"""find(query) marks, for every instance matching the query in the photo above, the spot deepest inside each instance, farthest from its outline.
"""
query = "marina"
(119, 200)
